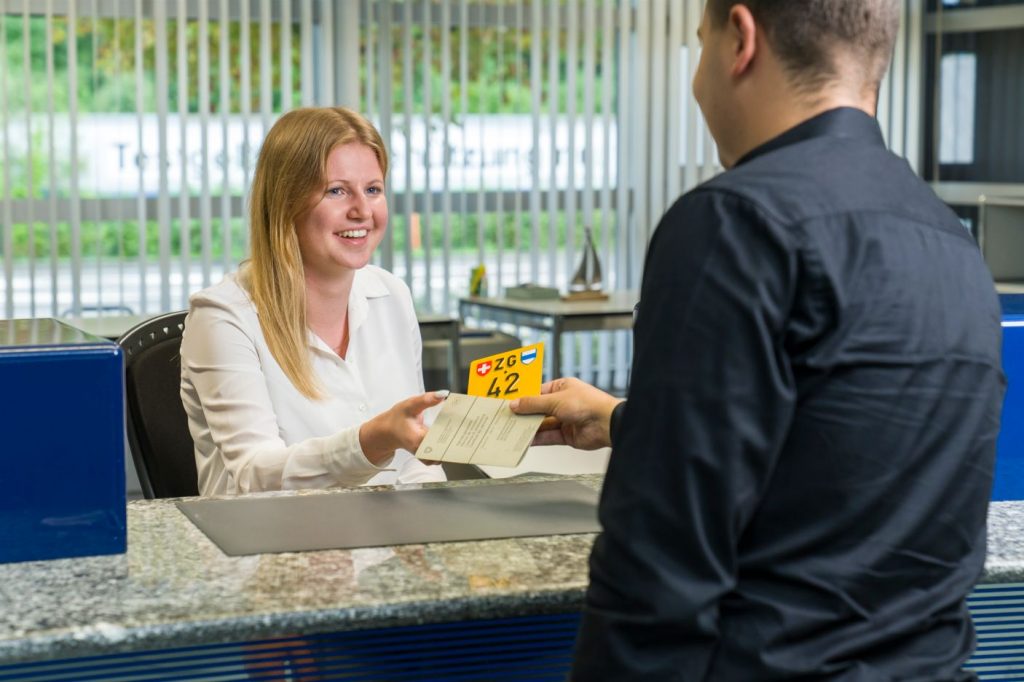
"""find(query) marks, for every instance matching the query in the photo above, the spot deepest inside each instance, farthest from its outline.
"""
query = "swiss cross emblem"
(483, 368)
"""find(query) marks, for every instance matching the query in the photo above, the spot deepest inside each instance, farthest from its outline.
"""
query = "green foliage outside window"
(498, 82)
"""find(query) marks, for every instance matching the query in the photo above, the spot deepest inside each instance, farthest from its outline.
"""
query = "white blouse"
(253, 430)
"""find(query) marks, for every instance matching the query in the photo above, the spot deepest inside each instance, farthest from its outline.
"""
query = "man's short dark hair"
(810, 35)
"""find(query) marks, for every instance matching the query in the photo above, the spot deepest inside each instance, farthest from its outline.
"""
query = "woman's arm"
(231, 414)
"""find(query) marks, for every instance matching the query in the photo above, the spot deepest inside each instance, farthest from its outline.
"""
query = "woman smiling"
(303, 369)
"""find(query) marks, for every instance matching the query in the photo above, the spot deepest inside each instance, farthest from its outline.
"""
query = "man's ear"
(742, 31)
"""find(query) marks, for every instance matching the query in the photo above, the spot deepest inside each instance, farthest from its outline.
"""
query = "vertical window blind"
(130, 129)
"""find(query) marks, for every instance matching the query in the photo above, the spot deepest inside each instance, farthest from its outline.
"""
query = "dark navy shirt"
(800, 477)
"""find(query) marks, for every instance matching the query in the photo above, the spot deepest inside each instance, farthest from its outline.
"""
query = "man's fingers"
(550, 423)
(549, 437)
(553, 386)
(534, 404)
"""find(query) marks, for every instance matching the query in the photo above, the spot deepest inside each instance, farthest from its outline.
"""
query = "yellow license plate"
(508, 375)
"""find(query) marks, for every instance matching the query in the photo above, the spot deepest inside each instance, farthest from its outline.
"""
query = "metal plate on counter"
(378, 518)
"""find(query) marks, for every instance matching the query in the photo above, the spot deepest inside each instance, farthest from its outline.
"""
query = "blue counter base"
(998, 613)
(525, 648)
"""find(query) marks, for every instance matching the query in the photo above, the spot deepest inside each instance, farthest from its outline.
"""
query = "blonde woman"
(303, 369)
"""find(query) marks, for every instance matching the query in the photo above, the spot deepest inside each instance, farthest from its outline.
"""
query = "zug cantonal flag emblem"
(528, 356)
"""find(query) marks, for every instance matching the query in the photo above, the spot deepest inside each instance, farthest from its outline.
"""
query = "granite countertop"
(174, 587)
(1005, 560)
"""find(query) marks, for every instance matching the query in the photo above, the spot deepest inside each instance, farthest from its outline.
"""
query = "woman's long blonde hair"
(290, 174)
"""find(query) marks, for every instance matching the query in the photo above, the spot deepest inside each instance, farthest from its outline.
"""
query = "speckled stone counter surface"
(174, 587)
(1005, 560)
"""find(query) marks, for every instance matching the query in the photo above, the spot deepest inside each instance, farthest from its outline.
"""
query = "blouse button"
(362, 407)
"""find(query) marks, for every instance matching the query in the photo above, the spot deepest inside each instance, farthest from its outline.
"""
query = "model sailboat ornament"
(586, 283)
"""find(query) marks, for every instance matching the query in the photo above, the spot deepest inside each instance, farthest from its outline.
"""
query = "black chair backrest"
(158, 435)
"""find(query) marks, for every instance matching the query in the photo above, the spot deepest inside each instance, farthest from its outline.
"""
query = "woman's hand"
(400, 427)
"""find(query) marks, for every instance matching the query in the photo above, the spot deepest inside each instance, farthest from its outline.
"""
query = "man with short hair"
(800, 477)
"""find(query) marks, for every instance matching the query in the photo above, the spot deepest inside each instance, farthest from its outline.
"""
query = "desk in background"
(432, 327)
(554, 316)
(445, 328)
(109, 327)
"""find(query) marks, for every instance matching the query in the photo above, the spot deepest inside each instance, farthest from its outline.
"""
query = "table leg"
(556, 348)
(456, 356)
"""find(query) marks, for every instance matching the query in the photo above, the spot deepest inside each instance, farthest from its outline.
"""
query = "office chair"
(157, 427)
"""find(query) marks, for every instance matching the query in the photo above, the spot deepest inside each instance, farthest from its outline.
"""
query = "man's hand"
(578, 414)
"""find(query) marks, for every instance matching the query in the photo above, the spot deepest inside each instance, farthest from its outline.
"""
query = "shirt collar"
(366, 284)
(842, 122)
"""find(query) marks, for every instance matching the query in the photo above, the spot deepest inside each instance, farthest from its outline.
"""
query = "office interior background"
(129, 131)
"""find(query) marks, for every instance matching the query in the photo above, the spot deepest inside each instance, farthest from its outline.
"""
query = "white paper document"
(475, 430)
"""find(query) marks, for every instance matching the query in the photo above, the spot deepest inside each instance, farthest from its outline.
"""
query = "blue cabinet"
(62, 487)
(1009, 483)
